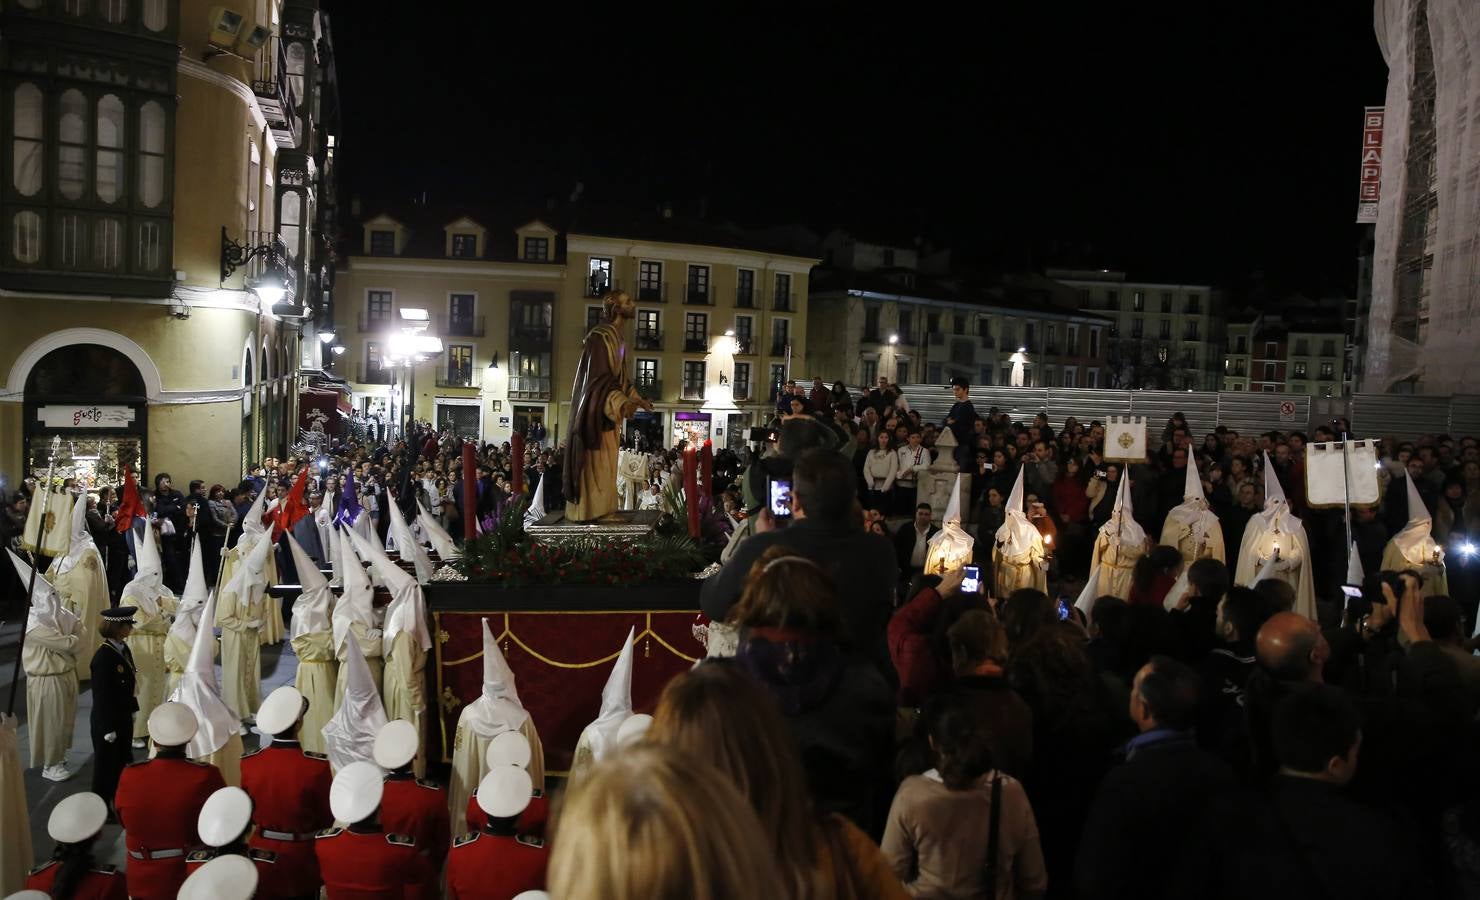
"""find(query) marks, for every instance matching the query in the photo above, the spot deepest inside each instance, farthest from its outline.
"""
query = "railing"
(740, 392)
(694, 295)
(695, 345)
(778, 348)
(651, 389)
(274, 89)
(649, 340)
(469, 326)
(458, 378)
(596, 287)
(745, 298)
(370, 375)
(529, 387)
(373, 324)
(745, 346)
(652, 293)
(871, 337)
(532, 334)
(783, 302)
(693, 391)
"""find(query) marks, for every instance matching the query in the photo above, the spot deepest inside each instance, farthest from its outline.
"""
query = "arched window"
(156, 15)
(297, 65)
(110, 149)
(290, 216)
(72, 144)
(113, 11)
(152, 149)
(27, 140)
(25, 237)
(85, 370)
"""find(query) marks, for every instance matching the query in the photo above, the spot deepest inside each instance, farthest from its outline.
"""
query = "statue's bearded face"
(621, 306)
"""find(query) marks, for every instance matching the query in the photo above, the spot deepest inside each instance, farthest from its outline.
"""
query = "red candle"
(706, 466)
(691, 489)
(470, 491)
(516, 451)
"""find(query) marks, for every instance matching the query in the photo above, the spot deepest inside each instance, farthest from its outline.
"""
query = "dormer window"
(537, 249)
(465, 246)
(382, 243)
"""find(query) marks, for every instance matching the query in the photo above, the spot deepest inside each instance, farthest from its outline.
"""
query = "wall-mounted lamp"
(493, 364)
(274, 288)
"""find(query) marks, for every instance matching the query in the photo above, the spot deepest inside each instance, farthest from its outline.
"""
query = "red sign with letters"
(1370, 185)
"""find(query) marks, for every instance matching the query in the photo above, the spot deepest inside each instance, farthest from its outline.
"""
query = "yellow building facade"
(159, 131)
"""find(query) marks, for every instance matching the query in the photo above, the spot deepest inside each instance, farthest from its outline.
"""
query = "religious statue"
(601, 398)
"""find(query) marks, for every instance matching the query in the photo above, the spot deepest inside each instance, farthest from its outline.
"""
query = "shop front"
(692, 428)
(94, 399)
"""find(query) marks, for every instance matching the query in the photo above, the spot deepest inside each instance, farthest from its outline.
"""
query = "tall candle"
(691, 489)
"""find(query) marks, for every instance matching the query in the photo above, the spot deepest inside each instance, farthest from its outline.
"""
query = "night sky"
(1178, 141)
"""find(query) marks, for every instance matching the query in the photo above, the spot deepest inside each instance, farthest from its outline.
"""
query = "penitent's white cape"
(1118, 544)
(1276, 539)
(1018, 554)
(951, 547)
(1193, 529)
(442, 542)
(1414, 548)
(600, 737)
(407, 544)
(350, 735)
(219, 724)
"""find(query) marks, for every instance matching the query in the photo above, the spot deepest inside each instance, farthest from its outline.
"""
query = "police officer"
(496, 862)
(74, 825)
(412, 805)
(159, 801)
(512, 749)
(289, 787)
(224, 825)
(112, 718)
(363, 860)
(229, 877)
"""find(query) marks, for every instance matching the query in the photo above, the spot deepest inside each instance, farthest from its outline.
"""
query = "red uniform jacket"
(419, 808)
(100, 883)
(531, 821)
(158, 803)
(370, 865)
(289, 788)
(486, 866)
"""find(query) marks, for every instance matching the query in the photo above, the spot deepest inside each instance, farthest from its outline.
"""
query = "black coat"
(114, 703)
(904, 543)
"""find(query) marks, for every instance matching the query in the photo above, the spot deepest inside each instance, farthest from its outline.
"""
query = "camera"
(779, 499)
(1100, 474)
(971, 580)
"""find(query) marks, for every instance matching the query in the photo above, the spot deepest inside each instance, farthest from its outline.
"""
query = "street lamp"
(274, 286)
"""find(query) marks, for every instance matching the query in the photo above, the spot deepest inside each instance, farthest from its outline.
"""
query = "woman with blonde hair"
(717, 714)
(650, 824)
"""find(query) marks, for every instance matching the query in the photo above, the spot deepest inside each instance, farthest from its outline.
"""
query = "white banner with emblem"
(1125, 438)
(83, 416)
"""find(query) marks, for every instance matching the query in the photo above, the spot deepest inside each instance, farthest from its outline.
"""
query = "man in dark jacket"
(912, 538)
(1146, 807)
(826, 531)
(169, 506)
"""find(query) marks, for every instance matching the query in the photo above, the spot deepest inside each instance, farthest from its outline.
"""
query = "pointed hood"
(324, 515)
(251, 524)
(311, 609)
(249, 574)
(79, 542)
(1193, 492)
(407, 544)
(1354, 574)
(349, 736)
(46, 607)
(356, 600)
(1416, 541)
(1273, 491)
(372, 553)
(616, 703)
(1016, 535)
(199, 691)
(953, 506)
(192, 599)
(497, 709)
(1418, 512)
(1122, 528)
(349, 507)
(1195, 515)
(148, 581)
(407, 609)
(536, 509)
(442, 542)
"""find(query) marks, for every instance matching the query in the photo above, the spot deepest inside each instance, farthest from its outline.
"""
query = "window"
(780, 336)
(871, 324)
(1006, 342)
(1269, 371)
(868, 373)
(1138, 300)
(465, 246)
(108, 178)
(1328, 348)
(741, 382)
(290, 224)
(382, 243)
(984, 376)
(1092, 378)
(1071, 340)
(254, 183)
(378, 306)
(459, 364)
(783, 293)
(155, 15)
(778, 377)
(744, 332)
(650, 281)
(1070, 376)
(697, 290)
(113, 11)
(1028, 336)
(1050, 333)
(1268, 389)
(649, 332)
(745, 288)
(959, 321)
(373, 360)
(460, 318)
(1302, 347)
(695, 332)
(1138, 327)
(693, 379)
(647, 372)
(1112, 299)
(1328, 371)
(932, 323)
(1094, 342)
(902, 371)
(25, 237)
(1241, 345)
(1165, 329)
(27, 140)
(598, 276)
(1006, 375)
(72, 145)
(1271, 349)
(984, 328)
(1194, 304)
(1166, 301)
(888, 256)
(593, 317)
(537, 249)
(1191, 331)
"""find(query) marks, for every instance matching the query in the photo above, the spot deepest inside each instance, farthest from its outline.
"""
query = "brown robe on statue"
(601, 389)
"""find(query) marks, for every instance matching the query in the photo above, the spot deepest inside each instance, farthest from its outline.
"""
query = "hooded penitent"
(1191, 526)
(356, 599)
(951, 547)
(79, 541)
(198, 690)
(600, 737)
(47, 610)
(1414, 547)
(323, 519)
(315, 598)
(148, 581)
(536, 509)
(1118, 544)
(79, 579)
(313, 644)
(349, 736)
(1275, 544)
(49, 656)
(442, 542)
(1018, 552)
(407, 544)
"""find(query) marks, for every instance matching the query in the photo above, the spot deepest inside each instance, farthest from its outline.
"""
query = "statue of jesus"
(601, 398)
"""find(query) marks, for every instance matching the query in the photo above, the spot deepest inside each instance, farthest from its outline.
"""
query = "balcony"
(745, 346)
(986, 341)
(652, 389)
(649, 340)
(740, 393)
(463, 326)
(652, 293)
(599, 287)
(369, 324)
(526, 336)
(458, 378)
(693, 344)
(693, 391)
(745, 298)
(529, 387)
(697, 295)
(275, 95)
(784, 302)
(371, 375)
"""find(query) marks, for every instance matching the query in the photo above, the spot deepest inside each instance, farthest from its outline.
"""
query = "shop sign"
(84, 416)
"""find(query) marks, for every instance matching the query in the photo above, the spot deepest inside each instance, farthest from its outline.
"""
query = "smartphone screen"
(780, 499)
(1063, 607)
(971, 583)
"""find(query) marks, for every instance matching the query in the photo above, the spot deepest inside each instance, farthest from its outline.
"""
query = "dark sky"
(1193, 141)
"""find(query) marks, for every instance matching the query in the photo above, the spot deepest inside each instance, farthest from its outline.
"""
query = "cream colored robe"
(272, 626)
(1012, 573)
(146, 643)
(51, 693)
(470, 764)
(241, 651)
(315, 680)
(16, 853)
(403, 688)
(1117, 563)
(84, 590)
(176, 655)
(1435, 577)
(370, 646)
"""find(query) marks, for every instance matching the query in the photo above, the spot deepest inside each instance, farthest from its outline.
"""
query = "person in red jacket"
(74, 825)
(225, 824)
(496, 862)
(228, 877)
(915, 640)
(411, 805)
(158, 802)
(289, 787)
(363, 860)
(512, 749)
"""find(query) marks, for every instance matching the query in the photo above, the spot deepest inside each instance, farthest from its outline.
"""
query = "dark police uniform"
(113, 708)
